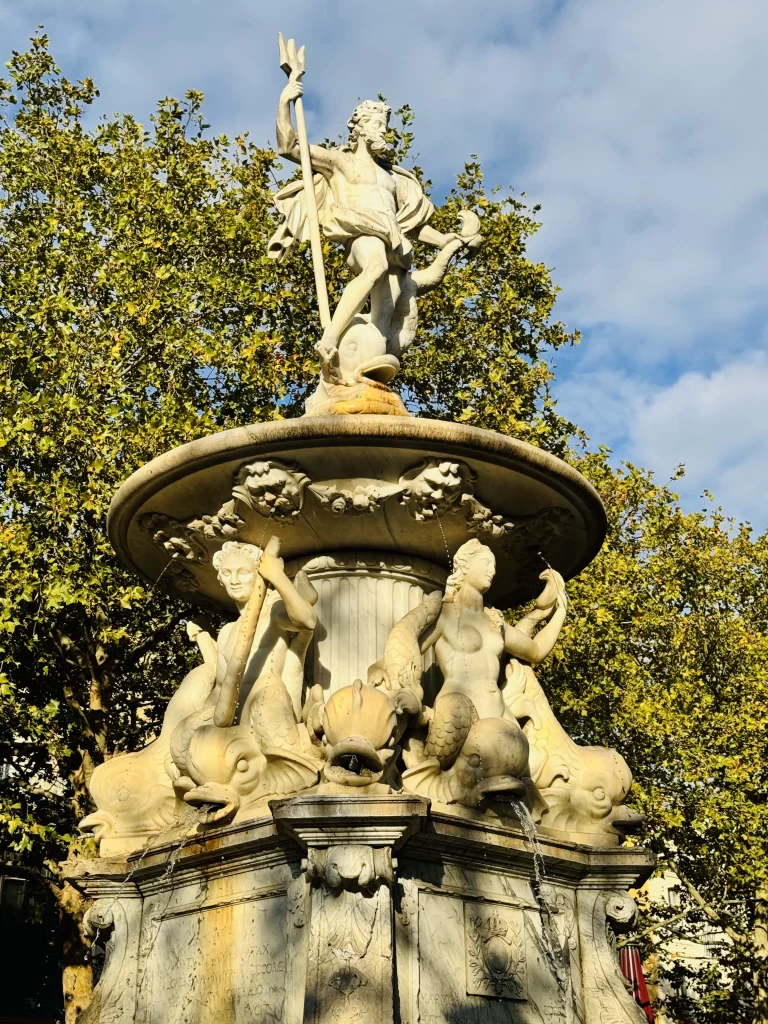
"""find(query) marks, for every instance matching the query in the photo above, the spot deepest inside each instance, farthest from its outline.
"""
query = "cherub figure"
(474, 747)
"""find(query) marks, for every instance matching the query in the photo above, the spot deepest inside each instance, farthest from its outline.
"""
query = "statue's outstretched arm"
(431, 236)
(552, 604)
(468, 238)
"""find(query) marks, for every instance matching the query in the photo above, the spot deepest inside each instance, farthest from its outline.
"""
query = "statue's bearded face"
(372, 129)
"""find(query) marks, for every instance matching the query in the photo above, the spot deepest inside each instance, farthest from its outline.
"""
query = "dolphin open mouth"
(380, 369)
(626, 820)
(222, 803)
(357, 756)
(502, 787)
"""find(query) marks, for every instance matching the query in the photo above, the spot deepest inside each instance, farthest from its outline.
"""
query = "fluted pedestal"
(361, 595)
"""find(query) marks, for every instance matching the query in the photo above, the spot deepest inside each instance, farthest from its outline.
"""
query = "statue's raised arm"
(287, 137)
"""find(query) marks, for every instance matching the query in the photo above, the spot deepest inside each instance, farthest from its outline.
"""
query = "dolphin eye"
(475, 760)
(599, 794)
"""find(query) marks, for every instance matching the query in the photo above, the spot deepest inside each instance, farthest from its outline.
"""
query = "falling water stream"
(194, 816)
(551, 947)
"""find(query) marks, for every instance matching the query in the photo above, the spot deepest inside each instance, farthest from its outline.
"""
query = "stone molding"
(324, 820)
(375, 563)
(275, 490)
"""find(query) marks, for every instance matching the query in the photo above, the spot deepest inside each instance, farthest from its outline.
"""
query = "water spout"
(552, 948)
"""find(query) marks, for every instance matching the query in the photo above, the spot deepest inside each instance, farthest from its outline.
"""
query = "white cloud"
(712, 423)
(716, 425)
(636, 125)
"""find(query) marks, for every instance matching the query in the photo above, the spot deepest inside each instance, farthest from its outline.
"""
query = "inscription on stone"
(224, 965)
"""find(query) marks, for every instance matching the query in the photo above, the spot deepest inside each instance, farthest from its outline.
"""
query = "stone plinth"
(369, 908)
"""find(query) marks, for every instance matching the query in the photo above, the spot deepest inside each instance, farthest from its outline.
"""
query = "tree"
(665, 656)
(139, 310)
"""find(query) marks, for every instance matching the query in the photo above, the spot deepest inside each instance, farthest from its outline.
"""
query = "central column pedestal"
(345, 967)
(361, 595)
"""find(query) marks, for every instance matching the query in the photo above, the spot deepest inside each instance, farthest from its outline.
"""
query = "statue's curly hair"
(461, 563)
(251, 552)
(364, 108)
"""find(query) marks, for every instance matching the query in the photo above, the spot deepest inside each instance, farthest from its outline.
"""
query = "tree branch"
(710, 912)
(135, 656)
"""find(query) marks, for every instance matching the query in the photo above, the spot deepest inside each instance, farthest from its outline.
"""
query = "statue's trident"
(292, 63)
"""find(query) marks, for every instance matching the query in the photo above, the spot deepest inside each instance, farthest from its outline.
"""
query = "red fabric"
(632, 969)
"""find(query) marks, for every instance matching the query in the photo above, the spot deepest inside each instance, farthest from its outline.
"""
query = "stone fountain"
(360, 805)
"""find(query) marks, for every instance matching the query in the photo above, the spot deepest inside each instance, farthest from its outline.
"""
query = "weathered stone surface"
(361, 595)
(340, 909)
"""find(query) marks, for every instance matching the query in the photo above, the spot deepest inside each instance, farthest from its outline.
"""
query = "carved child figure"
(262, 753)
(474, 747)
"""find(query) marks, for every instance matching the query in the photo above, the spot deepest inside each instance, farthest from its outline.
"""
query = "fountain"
(360, 805)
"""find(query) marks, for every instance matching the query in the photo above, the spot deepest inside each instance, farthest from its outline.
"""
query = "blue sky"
(640, 128)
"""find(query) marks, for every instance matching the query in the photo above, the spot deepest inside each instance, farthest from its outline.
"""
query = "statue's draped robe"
(343, 224)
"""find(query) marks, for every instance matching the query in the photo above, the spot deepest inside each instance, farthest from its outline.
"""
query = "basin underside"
(416, 488)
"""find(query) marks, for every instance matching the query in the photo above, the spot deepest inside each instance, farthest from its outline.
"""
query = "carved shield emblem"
(495, 952)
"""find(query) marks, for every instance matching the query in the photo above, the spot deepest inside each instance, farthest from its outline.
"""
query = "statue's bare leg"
(384, 296)
(368, 256)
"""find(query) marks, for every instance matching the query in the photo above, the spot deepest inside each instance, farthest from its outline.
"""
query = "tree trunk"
(78, 991)
(760, 940)
(77, 978)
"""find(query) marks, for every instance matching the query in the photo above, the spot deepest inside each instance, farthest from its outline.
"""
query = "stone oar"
(226, 705)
